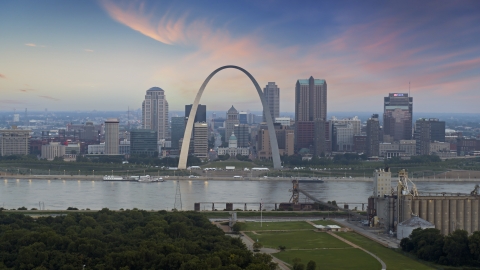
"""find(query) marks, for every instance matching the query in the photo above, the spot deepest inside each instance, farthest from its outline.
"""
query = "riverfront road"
(223, 178)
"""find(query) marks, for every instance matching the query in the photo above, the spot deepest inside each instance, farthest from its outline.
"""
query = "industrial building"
(446, 211)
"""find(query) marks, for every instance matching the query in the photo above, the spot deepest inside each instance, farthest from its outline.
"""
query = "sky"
(104, 55)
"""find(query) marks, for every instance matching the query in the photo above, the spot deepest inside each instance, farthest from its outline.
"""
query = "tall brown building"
(310, 106)
(397, 117)
(373, 136)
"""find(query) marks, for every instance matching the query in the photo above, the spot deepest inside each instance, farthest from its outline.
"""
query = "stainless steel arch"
(182, 162)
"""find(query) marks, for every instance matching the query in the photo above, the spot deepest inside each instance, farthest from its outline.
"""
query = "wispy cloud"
(50, 98)
(31, 44)
(2, 76)
(373, 57)
(26, 90)
(88, 50)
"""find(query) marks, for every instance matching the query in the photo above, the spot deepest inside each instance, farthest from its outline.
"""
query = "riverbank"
(203, 178)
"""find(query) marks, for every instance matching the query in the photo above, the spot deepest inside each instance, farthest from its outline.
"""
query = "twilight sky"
(104, 55)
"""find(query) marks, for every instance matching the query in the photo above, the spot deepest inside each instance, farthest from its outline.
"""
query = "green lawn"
(326, 222)
(238, 164)
(332, 258)
(297, 240)
(271, 226)
(393, 259)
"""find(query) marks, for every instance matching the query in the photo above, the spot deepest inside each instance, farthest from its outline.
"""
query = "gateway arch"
(182, 162)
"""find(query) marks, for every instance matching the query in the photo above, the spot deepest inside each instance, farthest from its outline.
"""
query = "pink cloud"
(373, 58)
(2, 76)
(31, 45)
(26, 90)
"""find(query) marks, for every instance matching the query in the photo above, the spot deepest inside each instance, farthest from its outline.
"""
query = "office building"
(373, 136)
(177, 131)
(143, 142)
(284, 121)
(271, 93)
(14, 142)
(310, 100)
(342, 137)
(243, 117)
(124, 147)
(200, 140)
(200, 116)
(310, 106)
(111, 136)
(354, 122)
(428, 131)
(319, 138)
(96, 149)
(360, 144)
(242, 133)
(285, 140)
(230, 122)
(52, 150)
(397, 117)
(155, 112)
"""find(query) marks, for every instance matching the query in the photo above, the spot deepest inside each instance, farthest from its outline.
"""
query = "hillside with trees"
(128, 239)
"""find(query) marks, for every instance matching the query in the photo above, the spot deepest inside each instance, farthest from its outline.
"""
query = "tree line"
(455, 249)
(128, 239)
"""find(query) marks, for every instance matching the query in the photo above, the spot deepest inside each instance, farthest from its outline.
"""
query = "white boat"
(149, 179)
(113, 178)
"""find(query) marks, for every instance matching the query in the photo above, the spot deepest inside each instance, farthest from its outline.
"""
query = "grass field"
(393, 259)
(222, 164)
(298, 240)
(269, 226)
(326, 222)
(332, 258)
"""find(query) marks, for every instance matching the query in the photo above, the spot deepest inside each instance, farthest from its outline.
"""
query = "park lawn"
(351, 258)
(297, 240)
(272, 226)
(325, 222)
(393, 259)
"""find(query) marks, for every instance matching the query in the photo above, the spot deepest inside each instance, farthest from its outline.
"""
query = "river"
(82, 194)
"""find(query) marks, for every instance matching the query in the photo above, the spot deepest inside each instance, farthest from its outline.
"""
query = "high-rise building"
(373, 136)
(143, 142)
(319, 139)
(178, 130)
(343, 137)
(285, 140)
(242, 133)
(14, 142)
(200, 116)
(310, 99)
(355, 122)
(155, 112)
(397, 117)
(271, 92)
(111, 136)
(243, 117)
(230, 122)
(310, 106)
(200, 140)
(428, 131)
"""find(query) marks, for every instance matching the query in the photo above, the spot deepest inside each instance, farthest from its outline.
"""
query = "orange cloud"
(30, 45)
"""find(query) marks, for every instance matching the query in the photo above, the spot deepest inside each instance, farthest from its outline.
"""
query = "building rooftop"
(416, 222)
(155, 88)
(232, 110)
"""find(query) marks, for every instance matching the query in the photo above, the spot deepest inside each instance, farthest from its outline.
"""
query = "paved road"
(249, 243)
(382, 239)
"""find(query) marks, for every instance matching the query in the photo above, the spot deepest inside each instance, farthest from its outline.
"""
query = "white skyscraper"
(272, 95)
(155, 112)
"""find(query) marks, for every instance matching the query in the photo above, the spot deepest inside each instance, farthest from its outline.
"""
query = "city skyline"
(76, 55)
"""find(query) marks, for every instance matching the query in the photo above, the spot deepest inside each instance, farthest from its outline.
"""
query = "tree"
(311, 265)
(297, 264)
(474, 245)
(456, 248)
(257, 246)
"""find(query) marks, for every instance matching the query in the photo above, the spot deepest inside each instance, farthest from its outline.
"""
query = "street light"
(63, 172)
(93, 171)
(78, 172)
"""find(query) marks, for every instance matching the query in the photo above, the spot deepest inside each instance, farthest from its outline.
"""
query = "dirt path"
(249, 243)
(384, 266)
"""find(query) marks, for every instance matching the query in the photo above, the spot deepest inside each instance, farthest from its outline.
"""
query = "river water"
(60, 194)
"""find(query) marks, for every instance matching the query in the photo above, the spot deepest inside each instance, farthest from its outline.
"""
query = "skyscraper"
(373, 136)
(155, 112)
(272, 95)
(310, 106)
(111, 136)
(230, 122)
(242, 133)
(200, 116)
(200, 140)
(178, 130)
(397, 117)
(310, 100)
